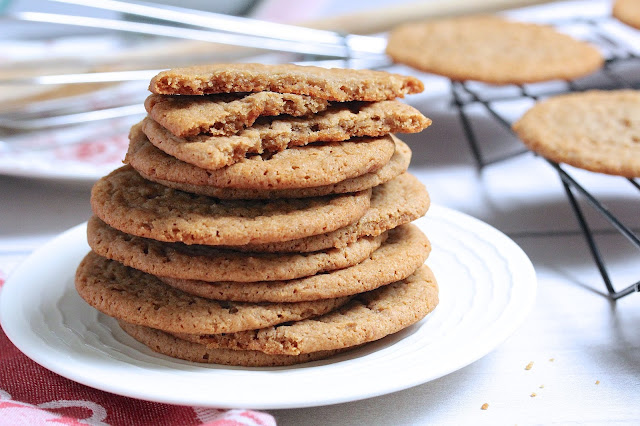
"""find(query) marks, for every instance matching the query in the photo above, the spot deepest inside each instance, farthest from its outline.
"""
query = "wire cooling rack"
(620, 71)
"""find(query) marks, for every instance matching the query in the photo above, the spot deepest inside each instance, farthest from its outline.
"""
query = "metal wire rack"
(621, 70)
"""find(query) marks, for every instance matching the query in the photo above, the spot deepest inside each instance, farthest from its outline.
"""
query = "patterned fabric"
(32, 395)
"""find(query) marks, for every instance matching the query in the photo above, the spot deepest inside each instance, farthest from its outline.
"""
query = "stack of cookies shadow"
(263, 216)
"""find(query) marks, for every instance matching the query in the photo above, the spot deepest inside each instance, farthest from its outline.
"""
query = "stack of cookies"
(263, 217)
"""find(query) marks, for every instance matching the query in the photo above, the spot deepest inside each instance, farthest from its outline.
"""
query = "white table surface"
(584, 348)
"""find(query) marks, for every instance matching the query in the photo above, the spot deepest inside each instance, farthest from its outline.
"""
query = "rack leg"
(466, 127)
(595, 252)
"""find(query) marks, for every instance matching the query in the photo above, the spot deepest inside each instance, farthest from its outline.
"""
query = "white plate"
(487, 288)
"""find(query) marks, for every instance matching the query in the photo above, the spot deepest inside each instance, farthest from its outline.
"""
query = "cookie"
(404, 251)
(208, 263)
(492, 50)
(627, 11)
(366, 317)
(595, 130)
(337, 123)
(302, 167)
(397, 165)
(139, 298)
(226, 114)
(331, 84)
(169, 345)
(131, 204)
(399, 201)
(155, 165)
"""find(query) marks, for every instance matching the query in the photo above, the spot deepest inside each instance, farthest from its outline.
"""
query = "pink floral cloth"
(32, 395)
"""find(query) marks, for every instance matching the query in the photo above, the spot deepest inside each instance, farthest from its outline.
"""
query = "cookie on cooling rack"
(492, 50)
(627, 11)
(595, 130)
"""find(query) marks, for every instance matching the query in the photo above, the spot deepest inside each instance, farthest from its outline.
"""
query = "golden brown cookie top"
(334, 84)
(492, 50)
(627, 11)
(594, 130)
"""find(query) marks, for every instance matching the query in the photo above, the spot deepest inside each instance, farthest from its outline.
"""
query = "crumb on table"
(484, 406)
(528, 367)
(533, 395)
(551, 359)
(541, 386)
(597, 382)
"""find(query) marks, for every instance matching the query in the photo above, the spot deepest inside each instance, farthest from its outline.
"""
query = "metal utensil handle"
(186, 33)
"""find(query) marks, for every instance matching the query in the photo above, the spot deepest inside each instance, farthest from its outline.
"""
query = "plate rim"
(492, 341)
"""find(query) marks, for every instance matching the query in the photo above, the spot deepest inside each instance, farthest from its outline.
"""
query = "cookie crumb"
(551, 359)
(484, 406)
(528, 367)
(533, 395)
(597, 382)
(541, 386)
